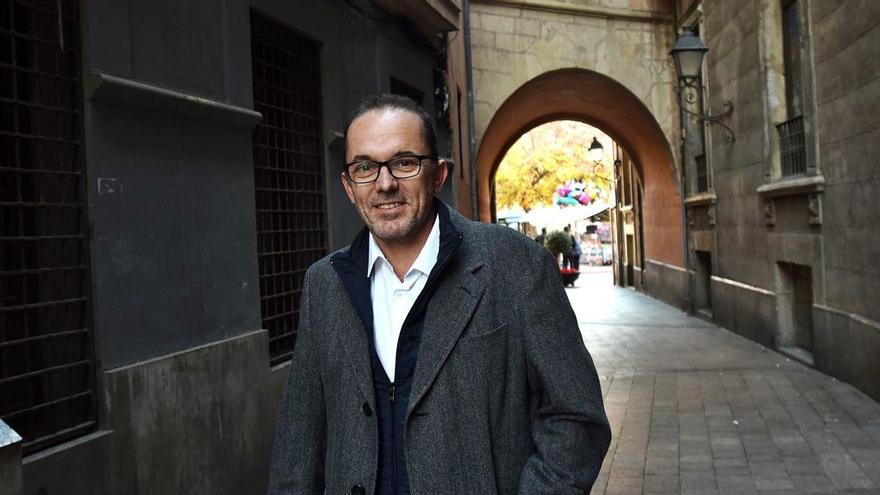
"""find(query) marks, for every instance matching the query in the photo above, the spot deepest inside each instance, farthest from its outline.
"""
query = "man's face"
(397, 211)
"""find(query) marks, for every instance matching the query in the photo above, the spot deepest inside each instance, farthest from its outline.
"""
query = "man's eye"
(406, 163)
(364, 167)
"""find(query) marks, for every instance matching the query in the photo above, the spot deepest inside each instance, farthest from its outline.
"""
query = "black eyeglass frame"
(385, 164)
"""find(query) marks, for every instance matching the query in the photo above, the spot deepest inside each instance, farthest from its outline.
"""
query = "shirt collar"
(426, 259)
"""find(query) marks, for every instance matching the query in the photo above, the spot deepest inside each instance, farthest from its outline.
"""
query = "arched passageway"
(588, 96)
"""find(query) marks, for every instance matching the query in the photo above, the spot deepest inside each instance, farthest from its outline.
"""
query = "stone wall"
(514, 45)
(665, 282)
(824, 220)
(846, 51)
(198, 421)
(846, 54)
(601, 64)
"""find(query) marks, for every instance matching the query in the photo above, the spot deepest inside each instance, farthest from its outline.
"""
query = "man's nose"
(385, 181)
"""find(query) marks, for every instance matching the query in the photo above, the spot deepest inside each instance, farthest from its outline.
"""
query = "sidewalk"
(697, 409)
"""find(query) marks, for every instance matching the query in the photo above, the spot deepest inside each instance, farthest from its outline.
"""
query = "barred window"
(791, 132)
(792, 146)
(288, 173)
(47, 367)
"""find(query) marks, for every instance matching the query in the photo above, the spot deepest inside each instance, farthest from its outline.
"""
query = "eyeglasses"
(400, 167)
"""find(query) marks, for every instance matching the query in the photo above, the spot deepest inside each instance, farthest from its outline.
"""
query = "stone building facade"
(766, 228)
(783, 242)
(168, 171)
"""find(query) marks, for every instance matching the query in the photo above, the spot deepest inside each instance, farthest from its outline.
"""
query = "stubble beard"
(397, 230)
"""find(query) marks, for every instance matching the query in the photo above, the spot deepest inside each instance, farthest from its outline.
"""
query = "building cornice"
(584, 10)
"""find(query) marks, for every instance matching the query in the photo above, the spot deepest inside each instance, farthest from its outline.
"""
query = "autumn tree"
(546, 157)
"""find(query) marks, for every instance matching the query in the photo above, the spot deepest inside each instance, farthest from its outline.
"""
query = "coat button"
(367, 412)
(358, 490)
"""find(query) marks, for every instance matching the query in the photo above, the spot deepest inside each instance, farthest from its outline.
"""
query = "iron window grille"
(792, 146)
(288, 173)
(47, 365)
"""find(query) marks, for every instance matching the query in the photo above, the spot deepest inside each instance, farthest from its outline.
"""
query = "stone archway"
(580, 94)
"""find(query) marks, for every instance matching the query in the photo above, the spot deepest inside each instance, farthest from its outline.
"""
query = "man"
(434, 355)
(568, 257)
(575, 255)
(543, 235)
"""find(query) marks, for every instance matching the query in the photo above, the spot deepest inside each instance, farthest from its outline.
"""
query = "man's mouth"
(388, 206)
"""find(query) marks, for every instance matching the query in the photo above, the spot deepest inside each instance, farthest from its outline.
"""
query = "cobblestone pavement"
(697, 409)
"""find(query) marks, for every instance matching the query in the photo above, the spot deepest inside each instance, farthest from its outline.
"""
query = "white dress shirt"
(392, 299)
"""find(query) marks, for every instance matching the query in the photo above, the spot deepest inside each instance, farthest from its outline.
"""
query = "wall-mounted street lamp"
(688, 54)
(596, 150)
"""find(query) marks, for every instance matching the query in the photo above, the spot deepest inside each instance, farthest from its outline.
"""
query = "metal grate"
(288, 173)
(47, 387)
(791, 141)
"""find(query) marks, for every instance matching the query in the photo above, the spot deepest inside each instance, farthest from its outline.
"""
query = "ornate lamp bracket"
(688, 93)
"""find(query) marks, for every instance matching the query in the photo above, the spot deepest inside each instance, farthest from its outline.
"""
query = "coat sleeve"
(297, 465)
(570, 429)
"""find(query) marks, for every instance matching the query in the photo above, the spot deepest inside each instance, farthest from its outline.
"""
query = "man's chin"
(386, 229)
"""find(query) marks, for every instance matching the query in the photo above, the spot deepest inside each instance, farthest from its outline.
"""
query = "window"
(47, 366)
(288, 174)
(791, 132)
(791, 45)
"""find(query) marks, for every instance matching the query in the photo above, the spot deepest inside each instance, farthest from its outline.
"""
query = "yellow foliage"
(545, 158)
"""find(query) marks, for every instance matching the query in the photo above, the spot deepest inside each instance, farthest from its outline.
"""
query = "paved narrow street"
(697, 409)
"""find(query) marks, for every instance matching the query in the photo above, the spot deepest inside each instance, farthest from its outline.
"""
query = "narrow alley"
(697, 409)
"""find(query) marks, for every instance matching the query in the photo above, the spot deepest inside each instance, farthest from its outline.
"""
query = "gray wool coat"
(505, 397)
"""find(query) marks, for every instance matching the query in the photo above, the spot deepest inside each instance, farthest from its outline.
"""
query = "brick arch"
(596, 99)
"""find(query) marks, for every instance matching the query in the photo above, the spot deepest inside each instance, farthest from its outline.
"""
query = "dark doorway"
(794, 305)
(630, 260)
(703, 284)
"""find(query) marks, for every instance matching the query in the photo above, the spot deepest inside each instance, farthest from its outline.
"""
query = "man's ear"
(346, 184)
(440, 174)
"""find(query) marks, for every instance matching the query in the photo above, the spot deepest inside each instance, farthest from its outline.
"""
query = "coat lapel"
(357, 352)
(351, 266)
(451, 308)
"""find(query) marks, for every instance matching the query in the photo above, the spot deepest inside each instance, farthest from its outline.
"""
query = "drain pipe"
(690, 305)
(472, 132)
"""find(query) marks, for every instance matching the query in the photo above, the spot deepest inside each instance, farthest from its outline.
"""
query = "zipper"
(395, 481)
